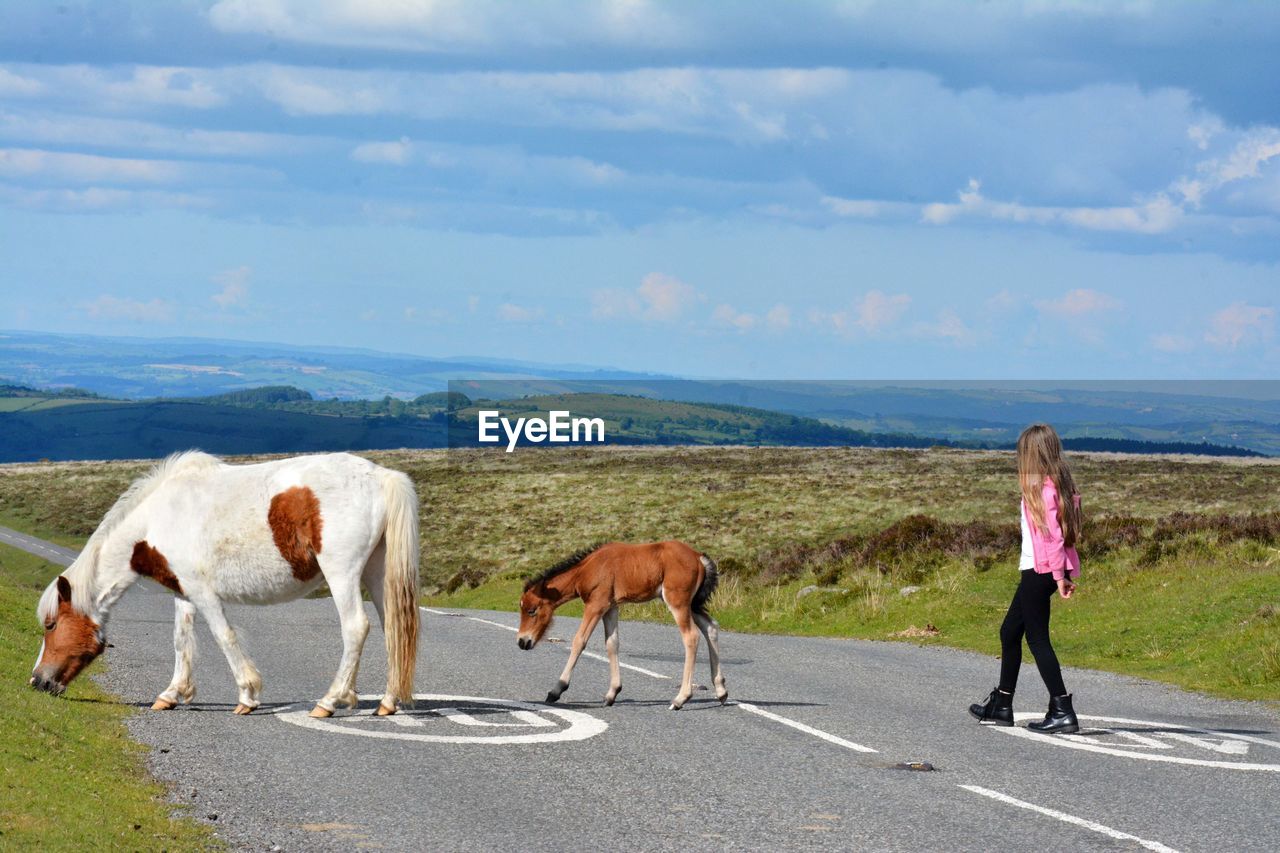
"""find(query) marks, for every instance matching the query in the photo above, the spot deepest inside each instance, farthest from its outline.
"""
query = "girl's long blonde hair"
(1040, 456)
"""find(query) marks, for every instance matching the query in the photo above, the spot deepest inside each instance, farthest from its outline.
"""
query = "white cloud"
(879, 310)
(873, 315)
(235, 287)
(126, 133)
(84, 168)
(1240, 323)
(779, 318)
(392, 153)
(1078, 303)
(108, 307)
(947, 327)
(1155, 215)
(659, 298)
(509, 312)
(15, 86)
(665, 297)
(728, 316)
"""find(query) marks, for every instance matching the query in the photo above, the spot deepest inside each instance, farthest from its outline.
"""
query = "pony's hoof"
(384, 711)
(608, 701)
(553, 697)
(724, 698)
(163, 705)
(320, 713)
(243, 709)
(676, 706)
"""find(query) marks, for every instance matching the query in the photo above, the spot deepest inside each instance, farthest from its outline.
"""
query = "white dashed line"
(746, 706)
(1072, 819)
(801, 727)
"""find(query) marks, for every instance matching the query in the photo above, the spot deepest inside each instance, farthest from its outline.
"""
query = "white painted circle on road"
(459, 719)
(1162, 742)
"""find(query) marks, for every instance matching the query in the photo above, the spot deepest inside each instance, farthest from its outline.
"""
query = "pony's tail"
(709, 581)
(400, 585)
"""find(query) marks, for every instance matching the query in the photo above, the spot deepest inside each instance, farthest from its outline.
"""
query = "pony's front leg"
(689, 635)
(589, 619)
(355, 627)
(182, 688)
(245, 673)
(611, 646)
(711, 631)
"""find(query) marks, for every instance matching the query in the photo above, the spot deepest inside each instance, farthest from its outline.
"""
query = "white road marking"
(801, 727)
(526, 719)
(1067, 818)
(1228, 743)
(580, 726)
(629, 666)
(746, 706)
(585, 653)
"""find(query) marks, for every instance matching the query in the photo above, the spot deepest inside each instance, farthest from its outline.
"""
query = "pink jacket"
(1051, 554)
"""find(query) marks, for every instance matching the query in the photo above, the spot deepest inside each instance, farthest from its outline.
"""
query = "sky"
(842, 189)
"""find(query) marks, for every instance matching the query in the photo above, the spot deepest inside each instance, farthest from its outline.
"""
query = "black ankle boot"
(996, 709)
(1061, 718)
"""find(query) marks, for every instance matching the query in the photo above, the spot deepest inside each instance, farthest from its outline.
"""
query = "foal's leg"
(355, 627)
(182, 688)
(689, 635)
(589, 619)
(245, 673)
(711, 631)
(611, 646)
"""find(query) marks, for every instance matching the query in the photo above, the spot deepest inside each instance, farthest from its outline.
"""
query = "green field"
(72, 778)
(1190, 599)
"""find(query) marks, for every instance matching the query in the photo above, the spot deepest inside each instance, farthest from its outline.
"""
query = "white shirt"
(1028, 560)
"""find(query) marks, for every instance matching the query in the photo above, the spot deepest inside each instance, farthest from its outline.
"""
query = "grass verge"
(72, 779)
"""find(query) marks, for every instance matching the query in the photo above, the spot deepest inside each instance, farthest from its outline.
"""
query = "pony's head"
(537, 606)
(71, 639)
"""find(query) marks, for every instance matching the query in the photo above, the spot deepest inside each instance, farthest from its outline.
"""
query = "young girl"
(1050, 526)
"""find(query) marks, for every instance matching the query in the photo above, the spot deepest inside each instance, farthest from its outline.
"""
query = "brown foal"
(617, 573)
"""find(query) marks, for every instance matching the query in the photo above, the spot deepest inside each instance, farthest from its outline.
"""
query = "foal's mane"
(561, 567)
(83, 572)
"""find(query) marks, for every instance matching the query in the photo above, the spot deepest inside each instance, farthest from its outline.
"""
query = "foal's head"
(71, 639)
(537, 606)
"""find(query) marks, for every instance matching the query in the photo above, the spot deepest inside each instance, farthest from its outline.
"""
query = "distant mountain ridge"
(971, 413)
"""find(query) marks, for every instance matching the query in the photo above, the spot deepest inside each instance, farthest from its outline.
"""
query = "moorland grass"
(72, 779)
(1176, 585)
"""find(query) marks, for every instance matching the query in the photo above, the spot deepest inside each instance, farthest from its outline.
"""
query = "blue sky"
(790, 190)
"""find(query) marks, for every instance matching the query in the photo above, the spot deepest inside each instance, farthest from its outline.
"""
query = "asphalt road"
(804, 757)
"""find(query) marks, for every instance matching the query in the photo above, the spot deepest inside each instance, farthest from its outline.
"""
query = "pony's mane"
(561, 567)
(83, 572)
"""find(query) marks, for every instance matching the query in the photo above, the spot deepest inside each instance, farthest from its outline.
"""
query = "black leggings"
(1029, 615)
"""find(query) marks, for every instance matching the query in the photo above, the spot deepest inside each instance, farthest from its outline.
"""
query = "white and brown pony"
(248, 534)
(617, 573)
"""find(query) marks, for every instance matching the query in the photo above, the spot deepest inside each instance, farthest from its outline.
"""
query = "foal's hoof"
(553, 697)
(163, 705)
(243, 709)
(676, 706)
(384, 711)
(320, 713)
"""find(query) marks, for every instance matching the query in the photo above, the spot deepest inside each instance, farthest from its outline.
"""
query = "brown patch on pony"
(295, 523)
(149, 562)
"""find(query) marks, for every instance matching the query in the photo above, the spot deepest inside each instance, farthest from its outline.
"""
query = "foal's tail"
(709, 581)
(400, 584)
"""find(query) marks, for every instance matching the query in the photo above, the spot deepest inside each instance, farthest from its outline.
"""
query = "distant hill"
(286, 419)
(141, 368)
